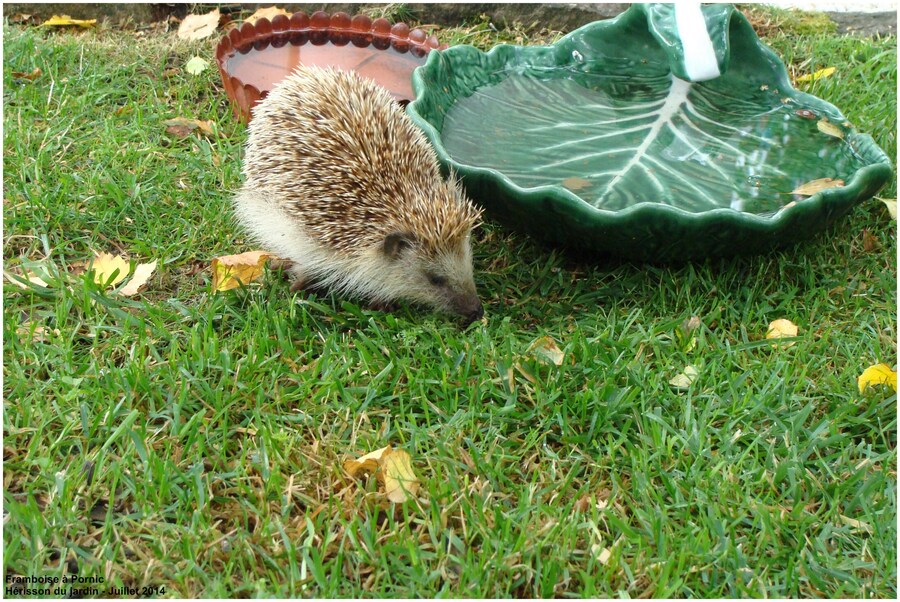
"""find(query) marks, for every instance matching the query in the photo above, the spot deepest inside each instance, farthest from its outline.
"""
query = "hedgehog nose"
(475, 314)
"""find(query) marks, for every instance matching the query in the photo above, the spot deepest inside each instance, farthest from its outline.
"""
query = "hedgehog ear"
(396, 242)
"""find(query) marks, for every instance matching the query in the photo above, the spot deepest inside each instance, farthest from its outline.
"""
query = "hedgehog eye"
(436, 280)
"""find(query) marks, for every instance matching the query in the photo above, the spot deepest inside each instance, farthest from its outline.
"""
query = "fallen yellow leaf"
(39, 334)
(811, 188)
(197, 27)
(855, 524)
(546, 350)
(400, 482)
(811, 77)
(684, 380)
(66, 20)
(367, 463)
(392, 469)
(782, 328)
(142, 273)
(30, 276)
(891, 205)
(266, 13)
(196, 65)
(826, 127)
(879, 374)
(232, 271)
(109, 270)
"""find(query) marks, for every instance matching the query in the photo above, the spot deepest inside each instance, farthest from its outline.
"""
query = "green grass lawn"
(194, 441)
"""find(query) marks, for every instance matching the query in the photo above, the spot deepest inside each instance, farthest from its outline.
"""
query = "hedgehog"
(341, 183)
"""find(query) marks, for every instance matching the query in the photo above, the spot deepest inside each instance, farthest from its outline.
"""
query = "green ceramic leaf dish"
(623, 139)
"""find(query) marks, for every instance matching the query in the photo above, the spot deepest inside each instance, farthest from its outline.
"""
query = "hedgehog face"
(442, 280)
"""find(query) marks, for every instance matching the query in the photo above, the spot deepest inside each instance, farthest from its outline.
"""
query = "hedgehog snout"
(475, 314)
(468, 307)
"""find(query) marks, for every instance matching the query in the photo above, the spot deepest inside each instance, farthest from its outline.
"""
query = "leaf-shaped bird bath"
(602, 141)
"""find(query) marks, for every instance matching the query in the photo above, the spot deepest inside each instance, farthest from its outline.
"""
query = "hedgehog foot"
(291, 270)
(385, 306)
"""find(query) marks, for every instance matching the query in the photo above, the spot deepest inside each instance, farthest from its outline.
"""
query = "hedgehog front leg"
(292, 271)
(300, 280)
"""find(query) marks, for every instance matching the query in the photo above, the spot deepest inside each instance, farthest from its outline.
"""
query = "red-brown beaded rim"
(359, 29)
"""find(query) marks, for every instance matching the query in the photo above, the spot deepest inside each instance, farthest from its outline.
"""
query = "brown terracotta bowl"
(252, 58)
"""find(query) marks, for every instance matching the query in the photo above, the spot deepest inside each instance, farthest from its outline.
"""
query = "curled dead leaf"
(546, 350)
(367, 463)
(182, 126)
(392, 469)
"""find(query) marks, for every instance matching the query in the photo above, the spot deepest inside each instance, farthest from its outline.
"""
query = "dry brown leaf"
(107, 266)
(231, 271)
(575, 183)
(142, 273)
(826, 127)
(891, 205)
(38, 335)
(36, 73)
(811, 188)
(266, 13)
(197, 27)
(583, 503)
(546, 350)
(855, 524)
(870, 243)
(66, 20)
(526, 373)
(182, 126)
